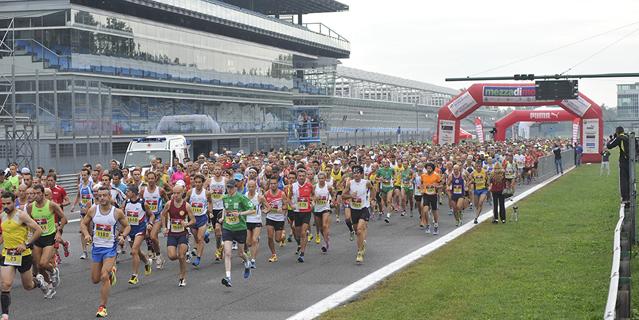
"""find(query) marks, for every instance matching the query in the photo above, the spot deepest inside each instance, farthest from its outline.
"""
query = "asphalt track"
(274, 291)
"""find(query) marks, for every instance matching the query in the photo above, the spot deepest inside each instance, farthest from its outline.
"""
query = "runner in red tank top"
(177, 217)
(301, 200)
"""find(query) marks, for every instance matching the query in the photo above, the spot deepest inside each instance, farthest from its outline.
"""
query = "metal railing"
(618, 304)
(70, 184)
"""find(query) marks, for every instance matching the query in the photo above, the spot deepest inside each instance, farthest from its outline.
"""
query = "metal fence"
(618, 304)
(373, 138)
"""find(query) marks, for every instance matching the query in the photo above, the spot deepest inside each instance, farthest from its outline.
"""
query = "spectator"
(579, 150)
(605, 161)
(621, 139)
(497, 186)
(558, 165)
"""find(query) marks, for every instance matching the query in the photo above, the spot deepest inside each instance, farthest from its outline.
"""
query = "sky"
(431, 40)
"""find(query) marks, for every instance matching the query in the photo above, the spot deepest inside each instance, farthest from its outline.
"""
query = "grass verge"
(552, 264)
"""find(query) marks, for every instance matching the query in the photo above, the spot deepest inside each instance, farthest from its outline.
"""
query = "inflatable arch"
(520, 95)
(515, 116)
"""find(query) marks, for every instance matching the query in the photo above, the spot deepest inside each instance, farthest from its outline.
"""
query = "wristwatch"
(28, 245)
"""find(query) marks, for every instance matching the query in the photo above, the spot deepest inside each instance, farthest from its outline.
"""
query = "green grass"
(553, 264)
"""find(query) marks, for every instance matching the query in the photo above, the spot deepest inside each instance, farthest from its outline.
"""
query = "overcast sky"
(431, 40)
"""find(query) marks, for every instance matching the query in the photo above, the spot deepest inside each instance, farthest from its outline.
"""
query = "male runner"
(301, 198)
(141, 220)
(431, 182)
(358, 192)
(200, 201)
(254, 221)
(217, 187)
(104, 218)
(274, 215)
(154, 198)
(85, 198)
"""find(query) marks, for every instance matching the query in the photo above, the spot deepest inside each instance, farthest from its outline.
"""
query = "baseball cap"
(238, 176)
(231, 184)
(25, 170)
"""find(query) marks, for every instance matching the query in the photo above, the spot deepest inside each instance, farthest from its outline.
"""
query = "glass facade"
(628, 101)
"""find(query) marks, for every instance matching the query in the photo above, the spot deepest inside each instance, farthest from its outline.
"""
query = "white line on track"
(365, 283)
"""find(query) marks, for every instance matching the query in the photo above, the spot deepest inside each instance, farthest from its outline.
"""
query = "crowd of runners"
(219, 203)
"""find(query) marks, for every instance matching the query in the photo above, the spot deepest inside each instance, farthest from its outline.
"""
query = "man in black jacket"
(620, 139)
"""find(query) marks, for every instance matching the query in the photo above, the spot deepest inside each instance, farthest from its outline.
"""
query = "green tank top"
(44, 218)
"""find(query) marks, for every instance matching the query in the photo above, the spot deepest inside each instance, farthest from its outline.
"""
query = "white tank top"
(323, 201)
(134, 212)
(360, 200)
(417, 185)
(218, 189)
(275, 203)
(198, 203)
(153, 200)
(257, 217)
(104, 228)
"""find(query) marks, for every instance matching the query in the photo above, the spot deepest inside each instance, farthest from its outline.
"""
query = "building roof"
(273, 7)
(352, 73)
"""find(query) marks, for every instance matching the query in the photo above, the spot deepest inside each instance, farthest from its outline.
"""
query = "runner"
(274, 215)
(59, 196)
(322, 208)
(141, 221)
(176, 218)
(200, 201)
(254, 221)
(44, 213)
(417, 186)
(385, 174)
(301, 198)
(456, 190)
(85, 198)
(236, 208)
(431, 183)
(154, 198)
(358, 191)
(480, 187)
(104, 217)
(336, 179)
(217, 187)
(16, 254)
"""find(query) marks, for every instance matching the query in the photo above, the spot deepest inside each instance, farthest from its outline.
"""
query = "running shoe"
(360, 258)
(352, 235)
(188, 257)
(450, 212)
(387, 219)
(113, 276)
(427, 229)
(318, 239)
(403, 213)
(475, 222)
(148, 269)
(435, 230)
(196, 262)
(55, 277)
(253, 264)
(503, 221)
(290, 238)
(43, 285)
(134, 279)
(247, 269)
(182, 283)
(159, 263)
(226, 281)
(234, 247)
(495, 221)
(83, 255)
(324, 249)
(300, 259)
(310, 236)
(207, 236)
(282, 242)
(102, 312)
(273, 258)
(421, 226)
(65, 246)
(299, 248)
(50, 293)
(337, 220)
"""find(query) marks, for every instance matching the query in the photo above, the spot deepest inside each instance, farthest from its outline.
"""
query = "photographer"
(621, 139)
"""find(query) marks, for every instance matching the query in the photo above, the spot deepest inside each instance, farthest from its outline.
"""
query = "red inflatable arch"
(520, 95)
(515, 116)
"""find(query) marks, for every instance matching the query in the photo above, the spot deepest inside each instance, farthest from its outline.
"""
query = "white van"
(141, 151)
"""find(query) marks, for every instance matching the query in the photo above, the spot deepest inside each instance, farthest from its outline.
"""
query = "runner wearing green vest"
(45, 213)
(236, 208)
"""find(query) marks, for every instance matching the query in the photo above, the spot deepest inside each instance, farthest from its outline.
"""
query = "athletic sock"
(5, 300)
(349, 224)
(228, 274)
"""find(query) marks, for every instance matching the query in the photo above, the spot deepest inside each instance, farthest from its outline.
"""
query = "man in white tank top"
(217, 187)
(359, 191)
(200, 201)
(104, 218)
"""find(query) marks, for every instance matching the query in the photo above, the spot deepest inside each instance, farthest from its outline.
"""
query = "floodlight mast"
(547, 77)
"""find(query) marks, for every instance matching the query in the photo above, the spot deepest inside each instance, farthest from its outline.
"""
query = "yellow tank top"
(14, 233)
(337, 179)
(480, 179)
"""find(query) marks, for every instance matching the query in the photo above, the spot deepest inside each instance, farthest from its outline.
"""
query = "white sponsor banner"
(578, 106)
(446, 131)
(479, 129)
(462, 104)
(575, 132)
(590, 139)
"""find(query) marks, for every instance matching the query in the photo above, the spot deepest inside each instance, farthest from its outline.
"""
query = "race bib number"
(152, 204)
(176, 225)
(197, 208)
(42, 223)
(276, 204)
(132, 218)
(13, 258)
(479, 183)
(232, 219)
(302, 204)
(386, 184)
(457, 189)
(218, 194)
(85, 200)
(356, 203)
(431, 190)
(103, 231)
(322, 201)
